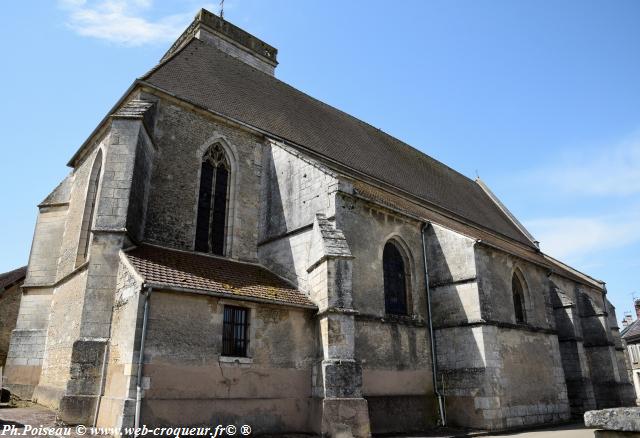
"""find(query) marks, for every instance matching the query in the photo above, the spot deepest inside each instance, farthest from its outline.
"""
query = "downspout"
(143, 335)
(434, 360)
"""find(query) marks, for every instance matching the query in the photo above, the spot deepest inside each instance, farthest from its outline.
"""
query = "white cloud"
(576, 237)
(610, 171)
(123, 22)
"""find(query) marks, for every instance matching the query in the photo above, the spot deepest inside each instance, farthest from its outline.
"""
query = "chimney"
(230, 39)
(628, 319)
(636, 302)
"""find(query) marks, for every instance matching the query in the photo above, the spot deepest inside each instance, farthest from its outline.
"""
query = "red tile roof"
(199, 272)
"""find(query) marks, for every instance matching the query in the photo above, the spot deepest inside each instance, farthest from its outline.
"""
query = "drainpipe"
(434, 360)
(146, 293)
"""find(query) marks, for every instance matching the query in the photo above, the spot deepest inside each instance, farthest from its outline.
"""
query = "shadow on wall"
(572, 354)
(462, 370)
(600, 351)
(275, 253)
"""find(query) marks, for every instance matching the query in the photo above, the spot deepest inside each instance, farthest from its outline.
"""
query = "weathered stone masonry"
(304, 236)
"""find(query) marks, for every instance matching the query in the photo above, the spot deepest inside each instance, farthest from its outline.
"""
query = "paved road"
(37, 415)
(570, 431)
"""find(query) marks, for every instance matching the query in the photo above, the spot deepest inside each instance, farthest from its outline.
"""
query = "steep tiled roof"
(205, 76)
(631, 331)
(199, 272)
(10, 278)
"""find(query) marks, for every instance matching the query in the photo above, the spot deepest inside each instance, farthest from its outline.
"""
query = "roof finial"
(222, 9)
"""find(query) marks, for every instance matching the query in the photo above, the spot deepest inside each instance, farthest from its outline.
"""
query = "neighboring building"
(10, 293)
(631, 339)
(266, 252)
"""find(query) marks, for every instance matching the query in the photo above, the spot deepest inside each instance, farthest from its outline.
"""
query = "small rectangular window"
(235, 331)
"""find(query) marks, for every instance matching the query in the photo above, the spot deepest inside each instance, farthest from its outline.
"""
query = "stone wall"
(26, 350)
(294, 189)
(45, 248)
(270, 390)
(601, 342)
(62, 330)
(574, 360)
(526, 356)
(181, 138)
(140, 186)
(9, 307)
(68, 247)
(394, 351)
(463, 375)
(117, 404)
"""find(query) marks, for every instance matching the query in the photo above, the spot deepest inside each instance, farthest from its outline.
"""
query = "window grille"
(235, 331)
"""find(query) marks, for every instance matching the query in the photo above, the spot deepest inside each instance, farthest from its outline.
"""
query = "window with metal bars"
(395, 284)
(235, 331)
(212, 201)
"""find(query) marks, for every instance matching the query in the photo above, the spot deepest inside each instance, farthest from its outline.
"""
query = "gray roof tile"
(207, 77)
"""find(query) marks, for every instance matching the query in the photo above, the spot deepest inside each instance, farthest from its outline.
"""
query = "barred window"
(235, 331)
(395, 284)
(212, 201)
(518, 298)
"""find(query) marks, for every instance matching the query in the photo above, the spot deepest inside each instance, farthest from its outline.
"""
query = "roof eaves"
(229, 295)
(599, 284)
(78, 154)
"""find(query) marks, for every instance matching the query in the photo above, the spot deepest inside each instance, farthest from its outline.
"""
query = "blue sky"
(539, 98)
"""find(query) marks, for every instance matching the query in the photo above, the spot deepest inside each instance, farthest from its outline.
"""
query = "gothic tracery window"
(212, 201)
(395, 281)
(89, 210)
(518, 298)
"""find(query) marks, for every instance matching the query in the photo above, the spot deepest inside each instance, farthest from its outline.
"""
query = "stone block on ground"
(618, 419)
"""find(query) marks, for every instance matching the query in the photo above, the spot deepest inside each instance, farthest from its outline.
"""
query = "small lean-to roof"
(162, 267)
(205, 76)
(631, 332)
(9, 279)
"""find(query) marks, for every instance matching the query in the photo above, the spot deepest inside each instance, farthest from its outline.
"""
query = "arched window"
(517, 289)
(89, 210)
(395, 281)
(212, 201)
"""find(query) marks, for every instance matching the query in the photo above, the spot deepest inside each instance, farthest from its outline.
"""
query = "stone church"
(228, 250)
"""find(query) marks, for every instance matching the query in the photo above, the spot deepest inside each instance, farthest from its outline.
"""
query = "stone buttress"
(338, 375)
